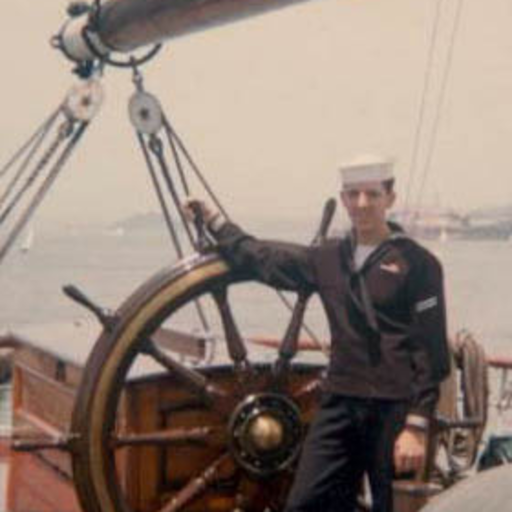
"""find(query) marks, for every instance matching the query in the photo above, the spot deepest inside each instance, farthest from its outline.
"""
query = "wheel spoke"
(201, 435)
(63, 442)
(180, 439)
(184, 343)
(308, 391)
(289, 345)
(236, 347)
(200, 484)
(188, 376)
(251, 495)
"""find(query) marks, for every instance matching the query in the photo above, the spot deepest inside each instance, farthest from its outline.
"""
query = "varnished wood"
(236, 346)
(38, 444)
(145, 475)
(129, 24)
(36, 486)
(46, 398)
(169, 436)
(188, 376)
(289, 346)
(163, 415)
(198, 484)
(164, 437)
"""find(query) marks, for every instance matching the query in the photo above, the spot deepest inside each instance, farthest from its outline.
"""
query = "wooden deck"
(71, 342)
(48, 364)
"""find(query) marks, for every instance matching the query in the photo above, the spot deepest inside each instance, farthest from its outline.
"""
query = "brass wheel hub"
(265, 431)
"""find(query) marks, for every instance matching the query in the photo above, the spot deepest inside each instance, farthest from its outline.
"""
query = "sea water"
(109, 264)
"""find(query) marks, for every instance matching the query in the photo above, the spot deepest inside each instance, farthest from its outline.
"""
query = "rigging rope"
(195, 168)
(64, 131)
(31, 151)
(174, 136)
(146, 117)
(158, 190)
(145, 113)
(176, 156)
(442, 95)
(45, 186)
(461, 444)
(79, 107)
(288, 304)
(21, 151)
(474, 384)
(156, 147)
(423, 103)
(202, 237)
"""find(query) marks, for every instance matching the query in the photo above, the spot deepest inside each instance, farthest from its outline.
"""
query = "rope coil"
(461, 444)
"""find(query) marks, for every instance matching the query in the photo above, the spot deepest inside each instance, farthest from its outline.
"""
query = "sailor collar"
(397, 233)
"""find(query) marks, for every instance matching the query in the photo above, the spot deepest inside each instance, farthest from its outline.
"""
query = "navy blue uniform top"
(387, 319)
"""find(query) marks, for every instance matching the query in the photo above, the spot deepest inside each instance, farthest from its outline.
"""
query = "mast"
(125, 25)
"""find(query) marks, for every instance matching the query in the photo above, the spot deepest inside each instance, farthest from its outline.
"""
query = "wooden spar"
(502, 362)
(302, 344)
(125, 25)
(499, 362)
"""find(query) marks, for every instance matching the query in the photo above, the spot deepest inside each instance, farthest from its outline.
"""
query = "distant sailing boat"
(28, 241)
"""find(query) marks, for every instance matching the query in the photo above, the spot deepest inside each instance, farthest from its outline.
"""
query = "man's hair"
(389, 185)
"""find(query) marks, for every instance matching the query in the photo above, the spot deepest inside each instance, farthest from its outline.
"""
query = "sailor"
(383, 296)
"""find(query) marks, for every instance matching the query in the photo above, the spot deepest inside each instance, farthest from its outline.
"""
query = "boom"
(125, 25)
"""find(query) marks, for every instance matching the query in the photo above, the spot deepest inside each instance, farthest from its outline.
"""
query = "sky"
(271, 106)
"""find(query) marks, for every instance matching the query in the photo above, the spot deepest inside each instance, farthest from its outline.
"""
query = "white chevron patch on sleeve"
(423, 305)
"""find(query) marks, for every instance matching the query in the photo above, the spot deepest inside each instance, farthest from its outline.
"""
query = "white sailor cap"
(366, 168)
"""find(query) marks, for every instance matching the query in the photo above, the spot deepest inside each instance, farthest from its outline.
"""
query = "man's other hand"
(410, 450)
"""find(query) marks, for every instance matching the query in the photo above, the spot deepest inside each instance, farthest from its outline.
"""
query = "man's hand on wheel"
(192, 207)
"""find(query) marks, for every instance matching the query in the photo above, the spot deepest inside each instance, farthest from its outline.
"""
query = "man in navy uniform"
(383, 297)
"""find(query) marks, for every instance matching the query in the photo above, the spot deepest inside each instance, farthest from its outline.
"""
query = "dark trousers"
(348, 438)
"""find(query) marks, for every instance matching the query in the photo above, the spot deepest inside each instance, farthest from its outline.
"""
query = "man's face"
(367, 204)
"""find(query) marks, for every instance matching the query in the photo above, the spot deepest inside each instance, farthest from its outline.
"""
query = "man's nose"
(362, 199)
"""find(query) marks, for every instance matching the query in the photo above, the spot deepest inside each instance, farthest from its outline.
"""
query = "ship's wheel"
(224, 437)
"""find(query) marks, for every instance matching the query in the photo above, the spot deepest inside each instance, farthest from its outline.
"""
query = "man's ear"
(391, 199)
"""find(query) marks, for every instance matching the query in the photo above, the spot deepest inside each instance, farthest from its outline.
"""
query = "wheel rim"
(98, 398)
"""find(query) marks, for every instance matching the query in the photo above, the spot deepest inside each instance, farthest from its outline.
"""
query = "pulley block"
(145, 113)
(84, 100)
